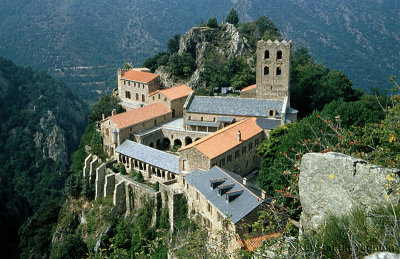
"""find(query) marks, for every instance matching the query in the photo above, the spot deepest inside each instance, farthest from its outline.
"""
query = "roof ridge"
(214, 134)
(244, 186)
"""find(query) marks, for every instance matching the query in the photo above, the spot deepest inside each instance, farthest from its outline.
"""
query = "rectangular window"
(251, 146)
(219, 217)
(237, 154)
(256, 142)
(197, 196)
(229, 158)
(209, 208)
(244, 150)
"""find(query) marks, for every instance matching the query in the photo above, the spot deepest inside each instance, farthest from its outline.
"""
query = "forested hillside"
(41, 125)
(86, 42)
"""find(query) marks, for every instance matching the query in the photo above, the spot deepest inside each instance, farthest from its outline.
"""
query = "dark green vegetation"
(85, 43)
(41, 124)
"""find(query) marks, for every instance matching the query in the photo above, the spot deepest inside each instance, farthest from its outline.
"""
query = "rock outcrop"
(226, 40)
(335, 183)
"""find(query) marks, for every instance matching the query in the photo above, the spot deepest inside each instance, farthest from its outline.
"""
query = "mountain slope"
(84, 42)
(41, 124)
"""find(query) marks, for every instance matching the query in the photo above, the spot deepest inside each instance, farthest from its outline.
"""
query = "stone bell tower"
(273, 69)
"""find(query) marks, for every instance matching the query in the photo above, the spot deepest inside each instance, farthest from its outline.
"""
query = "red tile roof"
(175, 92)
(247, 88)
(133, 117)
(225, 139)
(253, 243)
(138, 76)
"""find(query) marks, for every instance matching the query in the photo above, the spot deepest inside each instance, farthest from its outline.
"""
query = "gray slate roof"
(149, 155)
(233, 106)
(203, 123)
(227, 119)
(236, 209)
(268, 123)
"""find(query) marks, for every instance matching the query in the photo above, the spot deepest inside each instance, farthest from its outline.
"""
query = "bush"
(133, 173)
(122, 169)
(212, 23)
(139, 178)
(157, 186)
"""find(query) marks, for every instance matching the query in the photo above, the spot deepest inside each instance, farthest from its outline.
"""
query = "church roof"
(149, 155)
(225, 139)
(145, 113)
(175, 92)
(226, 191)
(138, 76)
(233, 106)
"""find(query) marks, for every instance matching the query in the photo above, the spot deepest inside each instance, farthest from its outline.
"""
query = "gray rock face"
(197, 41)
(334, 183)
(383, 255)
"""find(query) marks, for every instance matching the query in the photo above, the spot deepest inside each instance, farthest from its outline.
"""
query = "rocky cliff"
(334, 183)
(199, 41)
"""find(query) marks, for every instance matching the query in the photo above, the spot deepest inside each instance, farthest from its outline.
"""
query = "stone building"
(134, 86)
(118, 127)
(174, 98)
(208, 114)
(233, 148)
(225, 202)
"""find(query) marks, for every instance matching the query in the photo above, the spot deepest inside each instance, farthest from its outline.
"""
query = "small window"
(237, 153)
(279, 54)
(251, 146)
(229, 159)
(209, 208)
(256, 142)
(278, 71)
(201, 118)
(159, 96)
(129, 83)
(266, 71)
(266, 54)
(124, 82)
(197, 196)
(143, 98)
(153, 97)
(190, 117)
(107, 132)
(165, 99)
(243, 150)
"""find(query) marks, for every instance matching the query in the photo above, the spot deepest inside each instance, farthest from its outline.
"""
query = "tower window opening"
(266, 71)
(278, 71)
(266, 54)
(279, 54)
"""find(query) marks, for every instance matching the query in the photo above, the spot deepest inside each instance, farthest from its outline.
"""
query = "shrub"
(212, 23)
(139, 178)
(122, 169)
(157, 186)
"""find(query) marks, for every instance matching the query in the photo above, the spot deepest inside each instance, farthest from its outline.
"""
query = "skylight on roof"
(216, 182)
(222, 189)
(230, 196)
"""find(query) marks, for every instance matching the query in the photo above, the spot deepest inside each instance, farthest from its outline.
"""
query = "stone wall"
(336, 183)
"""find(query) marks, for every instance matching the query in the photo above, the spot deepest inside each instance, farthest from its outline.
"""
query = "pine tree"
(232, 17)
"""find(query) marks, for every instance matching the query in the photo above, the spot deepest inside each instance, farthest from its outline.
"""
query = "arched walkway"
(158, 144)
(151, 144)
(166, 144)
(177, 142)
(188, 140)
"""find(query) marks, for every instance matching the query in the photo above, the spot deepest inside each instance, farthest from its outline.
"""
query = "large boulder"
(334, 183)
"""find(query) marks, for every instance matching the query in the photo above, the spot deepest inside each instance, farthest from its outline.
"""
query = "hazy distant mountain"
(85, 41)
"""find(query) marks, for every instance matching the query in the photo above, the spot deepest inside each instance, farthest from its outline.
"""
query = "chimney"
(263, 195)
(103, 116)
(239, 136)
(114, 112)
(244, 181)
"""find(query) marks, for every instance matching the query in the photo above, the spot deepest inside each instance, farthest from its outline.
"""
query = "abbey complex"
(200, 147)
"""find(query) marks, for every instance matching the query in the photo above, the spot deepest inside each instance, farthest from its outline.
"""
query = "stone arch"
(196, 139)
(151, 144)
(278, 71)
(266, 54)
(266, 71)
(188, 140)
(279, 54)
(166, 144)
(177, 142)
(158, 144)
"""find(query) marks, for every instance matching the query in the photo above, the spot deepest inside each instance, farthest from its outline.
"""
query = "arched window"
(266, 71)
(137, 97)
(279, 54)
(128, 94)
(266, 54)
(143, 98)
(278, 71)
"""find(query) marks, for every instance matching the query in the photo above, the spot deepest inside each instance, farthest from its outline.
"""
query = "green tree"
(181, 65)
(173, 44)
(232, 17)
(105, 106)
(127, 66)
(139, 178)
(212, 23)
